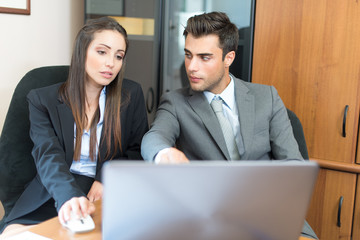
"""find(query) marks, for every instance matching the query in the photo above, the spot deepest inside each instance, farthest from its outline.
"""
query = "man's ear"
(229, 58)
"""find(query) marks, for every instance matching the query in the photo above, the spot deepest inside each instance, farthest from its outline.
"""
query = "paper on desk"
(28, 236)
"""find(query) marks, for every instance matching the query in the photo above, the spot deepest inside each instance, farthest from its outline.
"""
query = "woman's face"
(104, 59)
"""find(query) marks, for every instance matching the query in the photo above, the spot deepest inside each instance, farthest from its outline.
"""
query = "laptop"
(248, 200)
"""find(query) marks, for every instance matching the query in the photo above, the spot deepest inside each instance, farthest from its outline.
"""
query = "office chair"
(298, 133)
(17, 164)
(300, 139)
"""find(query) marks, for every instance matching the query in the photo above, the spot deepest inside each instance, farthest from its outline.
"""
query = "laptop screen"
(206, 200)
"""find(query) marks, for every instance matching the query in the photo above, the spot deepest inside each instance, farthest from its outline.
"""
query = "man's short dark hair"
(217, 23)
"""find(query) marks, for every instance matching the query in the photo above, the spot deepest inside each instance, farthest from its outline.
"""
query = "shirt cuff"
(159, 154)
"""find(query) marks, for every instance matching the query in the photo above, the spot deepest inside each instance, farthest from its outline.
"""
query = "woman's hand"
(81, 206)
(96, 191)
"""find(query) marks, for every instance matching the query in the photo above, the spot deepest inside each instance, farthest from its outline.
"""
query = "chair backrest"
(298, 133)
(17, 166)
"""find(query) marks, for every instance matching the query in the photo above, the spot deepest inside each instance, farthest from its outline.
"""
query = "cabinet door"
(324, 215)
(309, 50)
(356, 223)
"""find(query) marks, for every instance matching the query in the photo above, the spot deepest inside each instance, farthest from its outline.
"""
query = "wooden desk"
(53, 229)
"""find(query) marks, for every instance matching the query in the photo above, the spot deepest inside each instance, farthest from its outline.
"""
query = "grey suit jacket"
(186, 120)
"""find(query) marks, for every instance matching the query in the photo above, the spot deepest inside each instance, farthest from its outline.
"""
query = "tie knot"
(216, 104)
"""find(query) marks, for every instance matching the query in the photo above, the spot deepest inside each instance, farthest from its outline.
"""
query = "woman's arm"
(48, 150)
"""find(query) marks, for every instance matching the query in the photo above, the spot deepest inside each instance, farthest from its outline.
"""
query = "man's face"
(204, 64)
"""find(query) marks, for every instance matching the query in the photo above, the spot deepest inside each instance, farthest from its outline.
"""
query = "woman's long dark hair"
(72, 92)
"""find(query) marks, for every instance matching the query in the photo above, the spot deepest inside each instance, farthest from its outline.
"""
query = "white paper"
(28, 236)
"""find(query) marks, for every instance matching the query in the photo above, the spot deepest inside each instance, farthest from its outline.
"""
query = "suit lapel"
(245, 104)
(67, 129)
(202, 108)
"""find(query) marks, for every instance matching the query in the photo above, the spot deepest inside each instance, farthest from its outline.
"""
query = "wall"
(29, 41)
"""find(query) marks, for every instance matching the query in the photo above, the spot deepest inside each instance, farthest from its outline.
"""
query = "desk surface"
(53, 229)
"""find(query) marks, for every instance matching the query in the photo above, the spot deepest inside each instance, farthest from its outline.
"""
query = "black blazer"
(52, 131)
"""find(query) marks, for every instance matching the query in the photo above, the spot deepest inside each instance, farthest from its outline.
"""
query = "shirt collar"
(228, 95)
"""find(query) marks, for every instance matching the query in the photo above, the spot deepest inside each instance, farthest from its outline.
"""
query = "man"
(185, 117)
(186, 126)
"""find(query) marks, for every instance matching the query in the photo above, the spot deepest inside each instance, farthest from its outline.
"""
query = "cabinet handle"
(339, 211)
(344, 120)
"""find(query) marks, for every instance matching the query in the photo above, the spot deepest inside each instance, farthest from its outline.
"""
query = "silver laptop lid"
(206, 200)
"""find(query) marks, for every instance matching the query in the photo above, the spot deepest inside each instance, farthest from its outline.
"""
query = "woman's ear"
(229, 58)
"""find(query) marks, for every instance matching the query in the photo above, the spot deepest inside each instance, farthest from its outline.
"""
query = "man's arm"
(283, 143)
(163, 134)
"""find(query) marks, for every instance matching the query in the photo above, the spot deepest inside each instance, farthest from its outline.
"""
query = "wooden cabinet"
(356, 222)
(333, 202)
(310, 51)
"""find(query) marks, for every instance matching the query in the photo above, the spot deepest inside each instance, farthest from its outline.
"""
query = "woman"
(76, 126)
